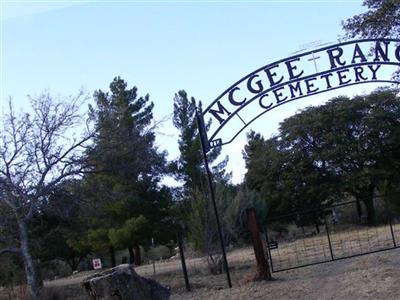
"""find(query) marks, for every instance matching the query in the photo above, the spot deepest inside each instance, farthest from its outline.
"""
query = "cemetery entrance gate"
(328, 68)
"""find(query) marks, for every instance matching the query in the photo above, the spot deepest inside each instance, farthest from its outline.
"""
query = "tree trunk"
(371, 216)
(73, 263)
(88, 264)
(35, 284)
(359, 209)
(303, 230)
(367, 196)
(263, 271)
(317, 227)
(138, 256)
(131, 255)
(112, 256)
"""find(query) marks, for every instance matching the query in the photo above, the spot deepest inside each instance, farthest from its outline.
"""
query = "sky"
(162, 47)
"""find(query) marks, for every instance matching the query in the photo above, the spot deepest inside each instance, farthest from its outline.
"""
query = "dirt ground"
(373, 276)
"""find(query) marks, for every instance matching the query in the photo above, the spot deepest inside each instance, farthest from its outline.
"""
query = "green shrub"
(159, 252)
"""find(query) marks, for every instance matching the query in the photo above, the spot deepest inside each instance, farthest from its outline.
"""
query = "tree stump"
(123, 283)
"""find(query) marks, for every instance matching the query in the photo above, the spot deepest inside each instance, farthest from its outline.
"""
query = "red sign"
(96, 263)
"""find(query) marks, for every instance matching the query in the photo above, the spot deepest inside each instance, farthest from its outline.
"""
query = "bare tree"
(38, 151)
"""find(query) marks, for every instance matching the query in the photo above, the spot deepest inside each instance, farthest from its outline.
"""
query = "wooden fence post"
(263, 270)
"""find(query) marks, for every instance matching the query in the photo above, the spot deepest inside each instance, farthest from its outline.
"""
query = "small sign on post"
(96, 262)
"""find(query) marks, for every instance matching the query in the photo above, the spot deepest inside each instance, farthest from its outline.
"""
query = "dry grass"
(345, 242)
(373, 276)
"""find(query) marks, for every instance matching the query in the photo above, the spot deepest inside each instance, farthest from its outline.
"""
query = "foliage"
(124, 135)
(58, 232)
(326, 152)
(197, 222)
(159, 252)
(11, 271)
(124, 186)
(189, 167)
(196, 209)
(131, 233)
(381, 20)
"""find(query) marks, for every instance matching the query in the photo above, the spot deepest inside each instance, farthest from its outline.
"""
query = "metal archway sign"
(302, 75)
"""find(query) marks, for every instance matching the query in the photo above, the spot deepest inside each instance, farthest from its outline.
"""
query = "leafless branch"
(39, 151)
(10, 250)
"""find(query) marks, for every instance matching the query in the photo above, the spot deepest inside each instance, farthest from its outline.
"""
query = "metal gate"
(331, 233)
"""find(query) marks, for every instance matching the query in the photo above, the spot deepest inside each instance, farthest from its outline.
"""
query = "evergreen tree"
(127, 167)
(195, 206)
(189, 167)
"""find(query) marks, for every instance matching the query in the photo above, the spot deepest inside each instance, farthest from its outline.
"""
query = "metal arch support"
(205, 148)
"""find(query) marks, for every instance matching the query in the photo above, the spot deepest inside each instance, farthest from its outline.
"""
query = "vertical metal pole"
(182, 255)
(389, 216)
(154, 265)
(329, 238)
(391, 230)
(269, 250)
(212, 194)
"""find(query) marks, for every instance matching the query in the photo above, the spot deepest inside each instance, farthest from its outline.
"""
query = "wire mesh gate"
(331, 233)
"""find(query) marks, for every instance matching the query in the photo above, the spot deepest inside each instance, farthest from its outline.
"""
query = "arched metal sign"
(302, 75)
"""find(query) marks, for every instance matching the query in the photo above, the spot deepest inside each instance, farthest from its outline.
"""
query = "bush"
(55, 268)
(159, 252)
(11, 275)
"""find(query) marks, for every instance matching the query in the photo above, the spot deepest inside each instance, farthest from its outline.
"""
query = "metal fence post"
(389, 218)
(391, 231)
(269, 250)
(329, 238)
(182, 256)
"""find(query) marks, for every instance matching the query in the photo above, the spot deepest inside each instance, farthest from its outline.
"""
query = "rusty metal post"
(263, 271)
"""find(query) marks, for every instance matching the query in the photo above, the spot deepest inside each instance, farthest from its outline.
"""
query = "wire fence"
(332, 233)
(169, 272)
(295, 240)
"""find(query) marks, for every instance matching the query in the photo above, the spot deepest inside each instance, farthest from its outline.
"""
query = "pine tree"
(127, 167)
(189, 169)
